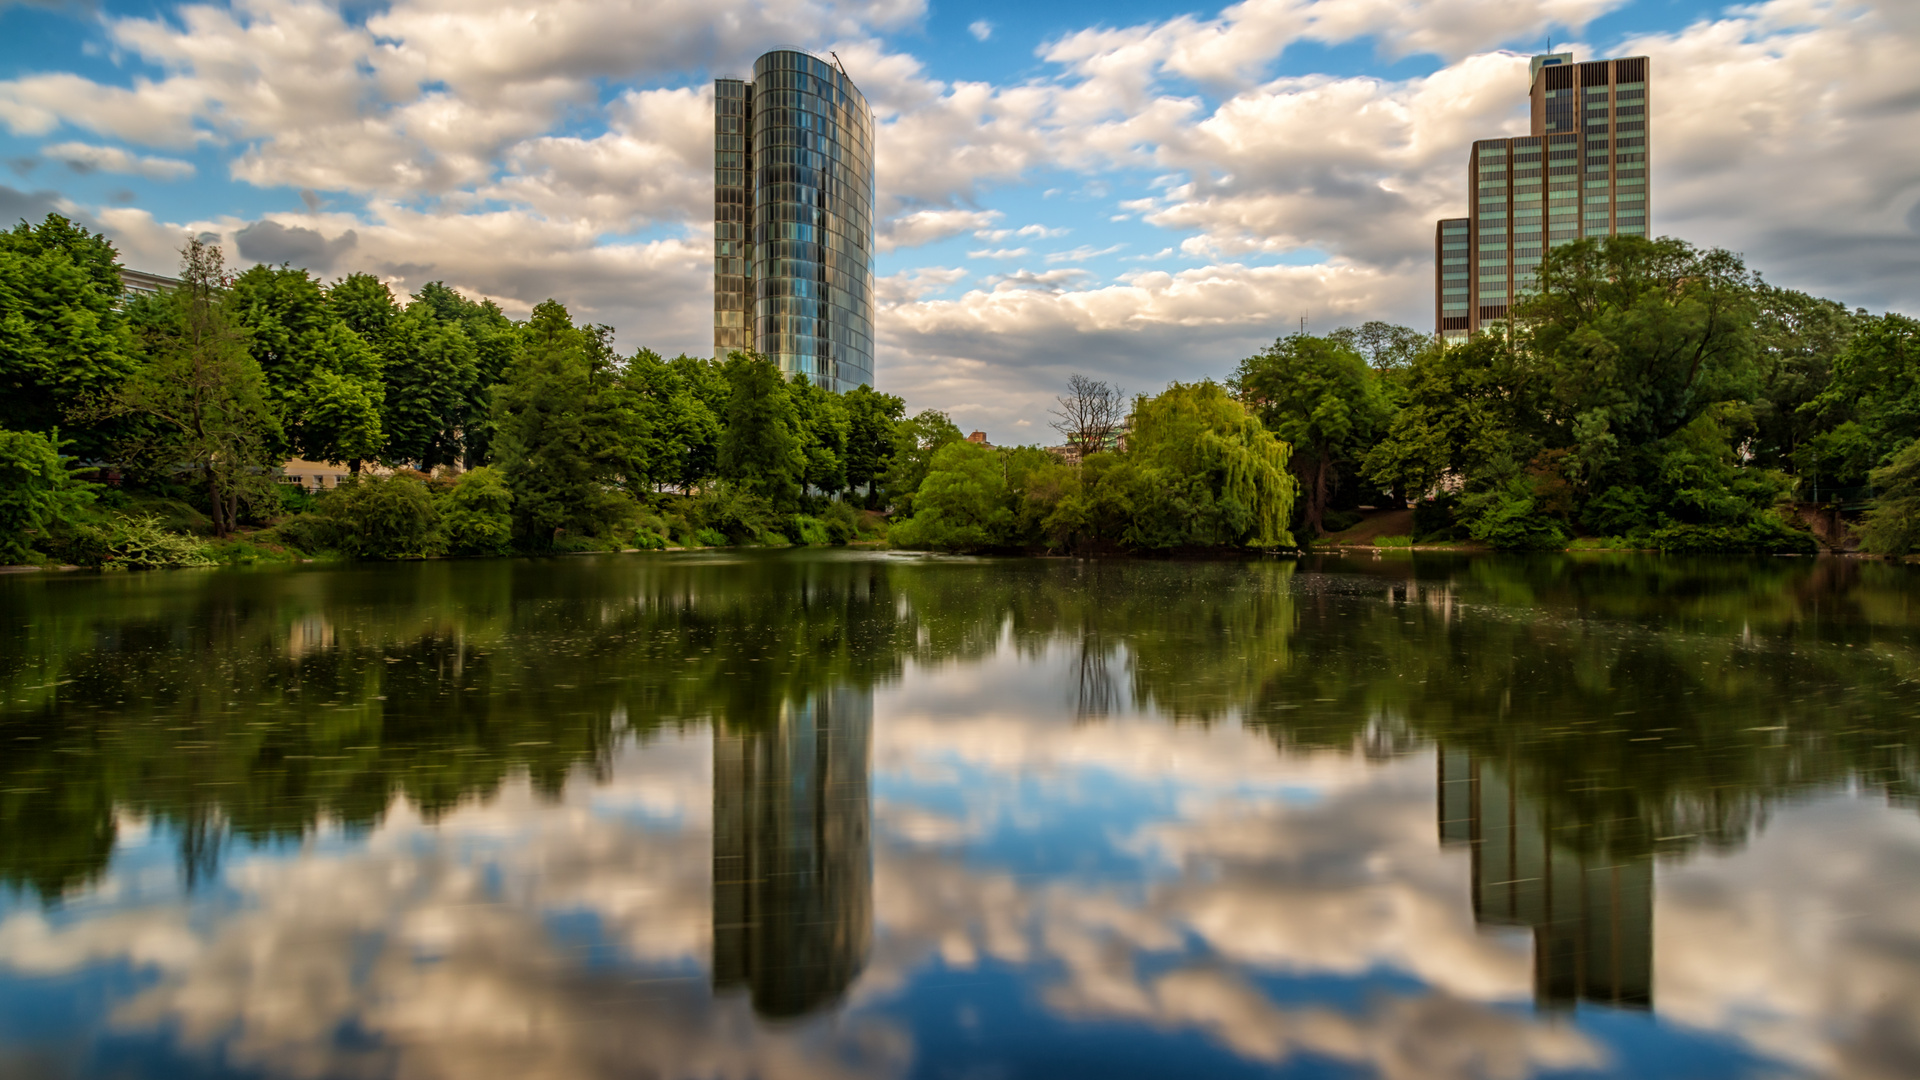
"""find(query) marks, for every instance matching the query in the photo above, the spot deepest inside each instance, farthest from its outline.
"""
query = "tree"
(545, 446)
(1089, 414)
(871, 418)
(63, 339)
(323, 380)
(706, 384)
(431, 371)
(37, 492)
(962, 505)
(1386, 347)
(1456, 420)
(478, 517)
(915, 440)
(1872, 401)
(1320, 397)
(1797, 339)
(824, 428)
(761, 447)
(201, 395)
(1203, 472)
(496, 348)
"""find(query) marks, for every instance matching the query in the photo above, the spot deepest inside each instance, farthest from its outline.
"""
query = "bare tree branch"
(1090, 414)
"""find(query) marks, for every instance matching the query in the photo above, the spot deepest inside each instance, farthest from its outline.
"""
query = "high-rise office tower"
(793, 219)
(1581, 173)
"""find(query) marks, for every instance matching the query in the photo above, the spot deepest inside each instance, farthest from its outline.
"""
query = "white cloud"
(999, 253)
(926, 226)
(1083, 253)
(84, 158)
(981, 29)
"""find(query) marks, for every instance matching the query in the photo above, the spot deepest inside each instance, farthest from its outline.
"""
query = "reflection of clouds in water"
(435, 944)
(1805, 949)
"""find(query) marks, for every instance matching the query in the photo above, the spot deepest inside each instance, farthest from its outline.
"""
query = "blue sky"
(1138, 191)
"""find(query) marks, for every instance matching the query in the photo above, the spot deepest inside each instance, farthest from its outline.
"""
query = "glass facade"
(1582, 173)
(793, 219)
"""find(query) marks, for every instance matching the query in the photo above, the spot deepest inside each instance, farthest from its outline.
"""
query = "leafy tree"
(1797, 339)
(871, 418)
(824, 427)
(962, 504)
(63, 339)
(915, 441)
(200, 394)
(1892, 525)
(382, 518)
(1320, 397)
(1202, 471)
(478, 515)
(705, 382)
(1457, 418)
(1386, 347)
(37, 493)
(545, 448)
(1872, 401)
(323, 380)
(761, 447)
(366, 305)
(431, 370)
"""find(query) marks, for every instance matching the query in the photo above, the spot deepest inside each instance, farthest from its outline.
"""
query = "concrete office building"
(793, 219)
(1581, 173)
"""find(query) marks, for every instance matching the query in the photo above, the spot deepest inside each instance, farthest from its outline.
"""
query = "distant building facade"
(793, 219)
(1581, 173)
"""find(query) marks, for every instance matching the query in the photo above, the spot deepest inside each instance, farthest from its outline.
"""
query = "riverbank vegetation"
(1649, 394)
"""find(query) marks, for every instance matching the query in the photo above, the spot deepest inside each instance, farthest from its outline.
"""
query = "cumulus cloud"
(273, 243)
(981, 29)
(83, 158)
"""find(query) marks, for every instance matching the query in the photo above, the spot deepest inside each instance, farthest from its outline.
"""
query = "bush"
(37, 493)
(842, 523)
(808, 531)
(711, 537)
(1892, 525)
(1433, 519)
(736, 515)
(477, 518)
(1765, 534)
(1509, 518)
(142, 542)
(391, 518)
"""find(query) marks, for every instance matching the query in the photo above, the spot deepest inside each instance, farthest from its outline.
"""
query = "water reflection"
(792, 858)
(1590, 911)
(835, 815)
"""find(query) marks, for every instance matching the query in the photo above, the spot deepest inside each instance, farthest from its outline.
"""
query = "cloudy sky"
(1139, 191)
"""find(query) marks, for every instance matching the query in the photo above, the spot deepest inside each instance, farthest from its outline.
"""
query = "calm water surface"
(805, 815)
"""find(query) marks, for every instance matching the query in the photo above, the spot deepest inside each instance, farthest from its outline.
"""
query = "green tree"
(382, 518)
(496, 348)
(871, 419)
(1797, 339)
(1321, 398)
(761, 446)
(962, 504)
(1456, 420)
(38, 494)
(430, 370)
(1871, 405)
(546, 449)
(1386, 347)
(63, 340)
(1203, 472)
(915, 441)
(705, 383)
(824, 427)
(323, 380)
(199, 394)
(478, 515)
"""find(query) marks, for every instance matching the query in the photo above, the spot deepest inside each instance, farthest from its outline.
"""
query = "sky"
(1140, 192)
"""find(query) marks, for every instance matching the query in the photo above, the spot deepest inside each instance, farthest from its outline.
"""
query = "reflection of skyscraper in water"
(792, 860)
(1591, 912)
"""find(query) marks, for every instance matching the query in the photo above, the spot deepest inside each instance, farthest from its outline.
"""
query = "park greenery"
(1648, 394)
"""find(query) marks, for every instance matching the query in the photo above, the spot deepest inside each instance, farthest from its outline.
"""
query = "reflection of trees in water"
(792, 854)
(1685, 695)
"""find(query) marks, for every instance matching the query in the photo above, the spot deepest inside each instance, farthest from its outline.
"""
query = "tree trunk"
(216, 502)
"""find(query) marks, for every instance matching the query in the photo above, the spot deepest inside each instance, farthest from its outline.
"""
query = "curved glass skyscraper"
(793, 219)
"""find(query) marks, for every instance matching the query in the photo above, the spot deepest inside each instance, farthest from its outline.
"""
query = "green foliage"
(1892, 525)
(841, 521)
(1511, 517)
(143, 542)
(962, 504)
(762, 448)
(545, 444)
(38, 494)
(735, 514)
(198, 399)
(871, 421)
(323, 380)
(1320, 397)
(381, 518)
(63, 338)
(1204, 472)
(824, 426)
(915, 441)
(1384, 346)
(808, 531)
(711, 537)
(477, 515)
(1875, 386)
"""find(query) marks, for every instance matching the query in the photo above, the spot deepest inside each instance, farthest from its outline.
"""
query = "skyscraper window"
(793, 219)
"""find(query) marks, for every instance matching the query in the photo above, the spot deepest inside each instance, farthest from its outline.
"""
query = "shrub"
(1892, 525)
(142, 542)
(1767, 533)
(735, 514)
(711, 537)
(1509, 518)
(477, 518)
(1393, 541)
(842, 522)
(808, 531)
(37, 493)
(392, 518)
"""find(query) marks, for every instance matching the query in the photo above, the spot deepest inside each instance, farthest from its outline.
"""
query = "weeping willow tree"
(1200, 471)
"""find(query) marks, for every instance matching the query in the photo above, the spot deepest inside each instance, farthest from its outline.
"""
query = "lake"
(809, 814)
